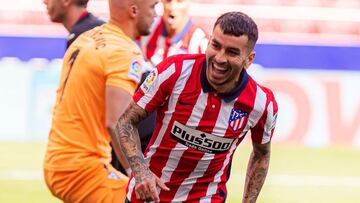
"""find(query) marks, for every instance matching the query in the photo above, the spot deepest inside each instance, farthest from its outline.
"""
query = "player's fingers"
(161, 184)
(142, 196)
(153, 193)
(140, 190)
(137, 195)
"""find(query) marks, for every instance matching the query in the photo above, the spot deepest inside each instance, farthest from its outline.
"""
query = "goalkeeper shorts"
(89, 184)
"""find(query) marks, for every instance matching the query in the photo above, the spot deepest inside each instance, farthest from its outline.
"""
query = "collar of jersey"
(175, 39)
(83, 15)
(244, 78)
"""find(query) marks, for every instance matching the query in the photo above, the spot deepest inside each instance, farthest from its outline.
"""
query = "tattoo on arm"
(256, 173)
(127, 137)
(139, 168)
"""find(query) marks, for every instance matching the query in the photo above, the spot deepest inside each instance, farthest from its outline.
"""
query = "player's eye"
(233, 53)
(215, 45)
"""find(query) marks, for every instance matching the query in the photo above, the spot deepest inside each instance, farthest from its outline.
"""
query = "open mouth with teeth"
(171, 19)
(218, 72)
(218, 69)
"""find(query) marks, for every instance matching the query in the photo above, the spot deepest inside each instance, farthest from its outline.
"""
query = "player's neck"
(72, 17)
(224, 88)
(125, 26)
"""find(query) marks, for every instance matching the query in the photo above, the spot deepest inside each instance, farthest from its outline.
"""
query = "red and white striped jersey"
(159, 45)
(197, 130)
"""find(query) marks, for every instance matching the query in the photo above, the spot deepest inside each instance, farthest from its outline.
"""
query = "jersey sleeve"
(123, 69)
(263, 131)
(157, 87)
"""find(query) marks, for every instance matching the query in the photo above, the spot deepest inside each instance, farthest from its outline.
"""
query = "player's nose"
(220, 57)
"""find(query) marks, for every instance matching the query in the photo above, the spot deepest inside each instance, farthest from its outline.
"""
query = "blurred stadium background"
(308, 54)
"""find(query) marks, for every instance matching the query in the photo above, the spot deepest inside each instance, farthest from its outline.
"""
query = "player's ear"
(250, 58)
(134, 10)
(67, 3)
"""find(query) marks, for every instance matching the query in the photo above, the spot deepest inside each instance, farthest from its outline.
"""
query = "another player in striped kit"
(205, 106)
(174, 33)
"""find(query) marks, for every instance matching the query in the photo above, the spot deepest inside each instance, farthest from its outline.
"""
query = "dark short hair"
(238, 24)
(81, 2)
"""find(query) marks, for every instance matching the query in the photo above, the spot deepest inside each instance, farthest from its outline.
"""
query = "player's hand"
(145, 187)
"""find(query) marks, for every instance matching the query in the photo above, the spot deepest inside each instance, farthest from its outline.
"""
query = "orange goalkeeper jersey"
(102, 56)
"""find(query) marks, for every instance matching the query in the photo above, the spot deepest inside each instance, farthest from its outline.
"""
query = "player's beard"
(143, 28)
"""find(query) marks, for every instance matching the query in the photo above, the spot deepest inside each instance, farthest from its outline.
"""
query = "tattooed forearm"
(140, 169)
(125, 135)
(127, 138)
(256, 172)
(126, 132)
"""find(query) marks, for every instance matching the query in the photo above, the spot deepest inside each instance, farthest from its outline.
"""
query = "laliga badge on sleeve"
(146, 85)
(135, 70)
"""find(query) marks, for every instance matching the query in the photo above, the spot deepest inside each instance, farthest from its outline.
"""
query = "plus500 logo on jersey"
(200, 140)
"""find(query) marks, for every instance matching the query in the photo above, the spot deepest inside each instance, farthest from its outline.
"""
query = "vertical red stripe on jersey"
(168, 83)
(160, 69)
(185, 111)
(152, 45)
(183, 161)
(257, 133)
(246, 102)
(168, 43)
(138, 94)
(207, 124)
(159, 116)
(160, 157)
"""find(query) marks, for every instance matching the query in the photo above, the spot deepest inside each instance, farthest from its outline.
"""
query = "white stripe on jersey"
(143, 101)
(158, 55)
(196, 41)
(176, 49)
(222, 121)
(212, 188)
(269, 123)
(219, 130)
(178, 88)
(131, 188)
(187, 68)
(198, 172)
(155, 87)
(195, 117)
(259, 107)
(179, 149)
(198, 109)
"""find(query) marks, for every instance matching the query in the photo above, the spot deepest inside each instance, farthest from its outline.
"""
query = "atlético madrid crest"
(238, 119)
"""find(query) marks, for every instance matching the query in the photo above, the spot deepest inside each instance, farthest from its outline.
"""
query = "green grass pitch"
(297, 174)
